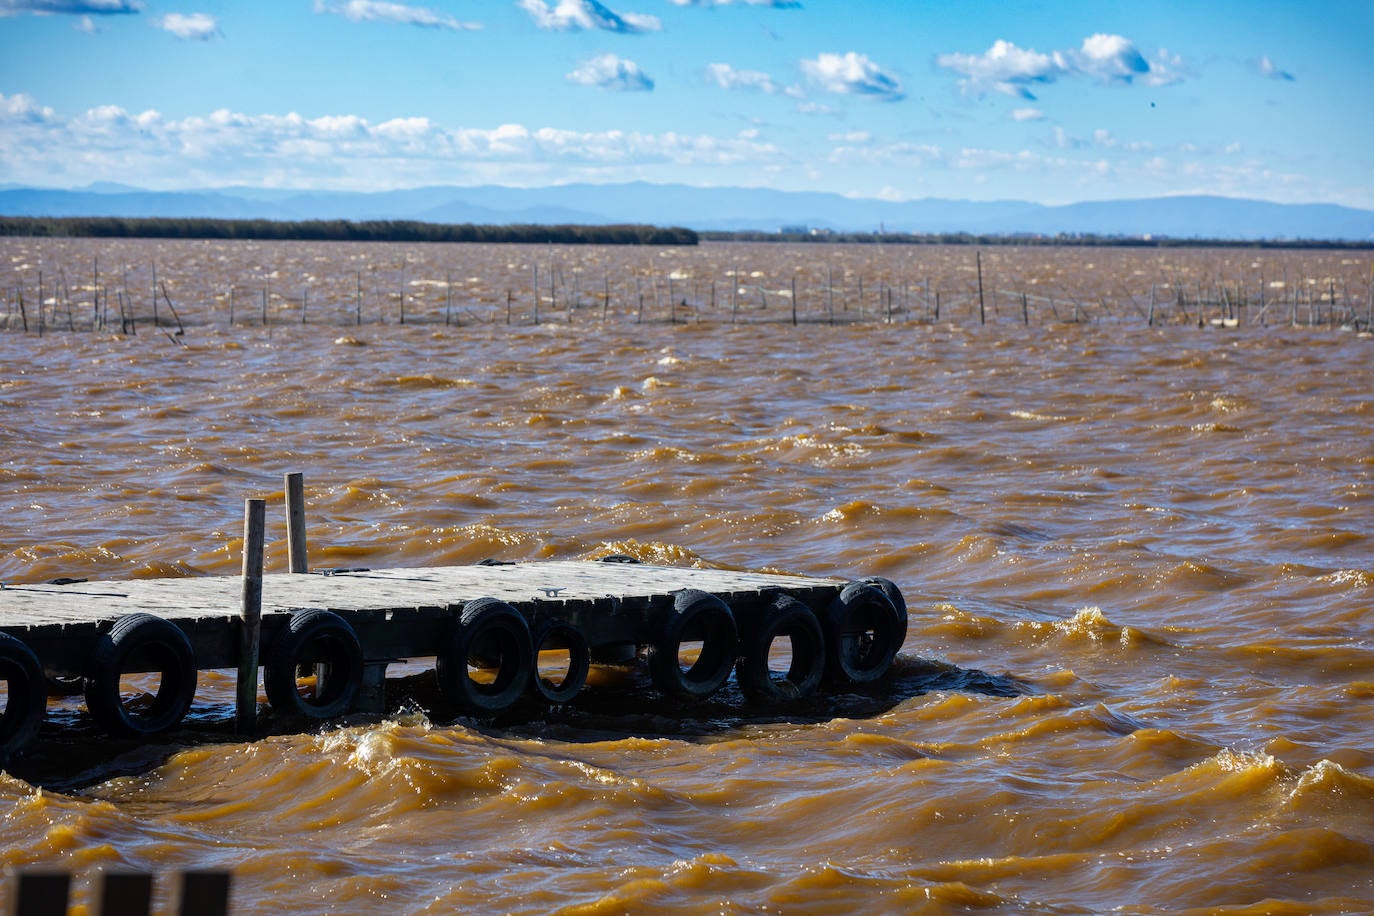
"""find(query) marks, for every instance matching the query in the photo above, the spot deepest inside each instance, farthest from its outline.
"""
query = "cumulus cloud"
(1267, 68)
(108, 142)
(727, 77)
(401, 13)
(189, 26)
(70, 7)
(22, 108)
(1108, 59)
(607, 71)
(586, 15)
(852, 74)
(1028, 114)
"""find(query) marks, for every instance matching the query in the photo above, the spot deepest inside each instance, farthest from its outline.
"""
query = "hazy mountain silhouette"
(699, 208)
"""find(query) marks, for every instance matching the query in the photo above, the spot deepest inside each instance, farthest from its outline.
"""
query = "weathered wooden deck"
(397, 612)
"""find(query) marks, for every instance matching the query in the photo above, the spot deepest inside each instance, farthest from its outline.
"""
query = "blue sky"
(1053, 102)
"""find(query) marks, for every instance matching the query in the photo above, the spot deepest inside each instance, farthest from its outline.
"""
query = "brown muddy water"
(1139, 671)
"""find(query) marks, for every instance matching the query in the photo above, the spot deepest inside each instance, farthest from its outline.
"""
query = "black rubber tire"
(696, 616)
(27, 696)
(321, 642)
(559, 634)
(862, 634)
(141, 642)
(786, 618)
(894, 594)
(494, 633)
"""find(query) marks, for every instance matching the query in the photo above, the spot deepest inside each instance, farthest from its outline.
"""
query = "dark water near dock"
(1140, 664)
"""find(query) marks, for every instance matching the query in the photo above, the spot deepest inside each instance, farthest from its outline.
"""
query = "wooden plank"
(23, 606)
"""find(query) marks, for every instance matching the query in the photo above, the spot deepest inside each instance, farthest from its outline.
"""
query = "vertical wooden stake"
(295, 522)
(982, 310)
(40, 893)
(794, 300)
(246, 713)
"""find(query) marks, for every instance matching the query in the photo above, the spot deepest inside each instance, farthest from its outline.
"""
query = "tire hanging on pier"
(894, 594)
(697, 617)
(325, 645)
(141, 643)
(559, 635)
(26, 696)
(789, 619)
(862, 634)
(492, 638)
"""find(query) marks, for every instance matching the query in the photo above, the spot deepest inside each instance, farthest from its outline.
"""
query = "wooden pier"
(325, 637)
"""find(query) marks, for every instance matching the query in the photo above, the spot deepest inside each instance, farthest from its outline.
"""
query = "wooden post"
(203, 893)
(794, 300)
(830, 292)
(1025, 310)
(127, 893)
(982, 309)
(246, 714)
(41, 893)
(1150, 318)
(295, 522)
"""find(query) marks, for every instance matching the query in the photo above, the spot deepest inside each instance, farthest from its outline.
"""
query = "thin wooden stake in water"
(794, 300)
(295, 522)
(246, 710)
(982, 310)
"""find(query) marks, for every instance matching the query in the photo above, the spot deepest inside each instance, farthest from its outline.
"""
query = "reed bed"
(132, 286)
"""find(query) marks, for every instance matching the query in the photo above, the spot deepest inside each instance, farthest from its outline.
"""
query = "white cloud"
(70, 7)
(1004, 67)
(859, 137)
(585, 15)
(1028, 114)
(607, 71)
(1267, 68)
(401, 13)
(189, 26)
(87, 25)
(1064, 140)
(852, 74)
(775, 4)
(109, 143)
(1109, 59)
(727, 77)
(22, 108)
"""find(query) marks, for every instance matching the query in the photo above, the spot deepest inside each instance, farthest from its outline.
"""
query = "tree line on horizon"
(338, 230)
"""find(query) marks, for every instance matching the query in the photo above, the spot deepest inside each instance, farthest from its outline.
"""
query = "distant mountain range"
(731, 209)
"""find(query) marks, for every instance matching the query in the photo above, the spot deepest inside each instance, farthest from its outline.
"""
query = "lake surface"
(1137, 559)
